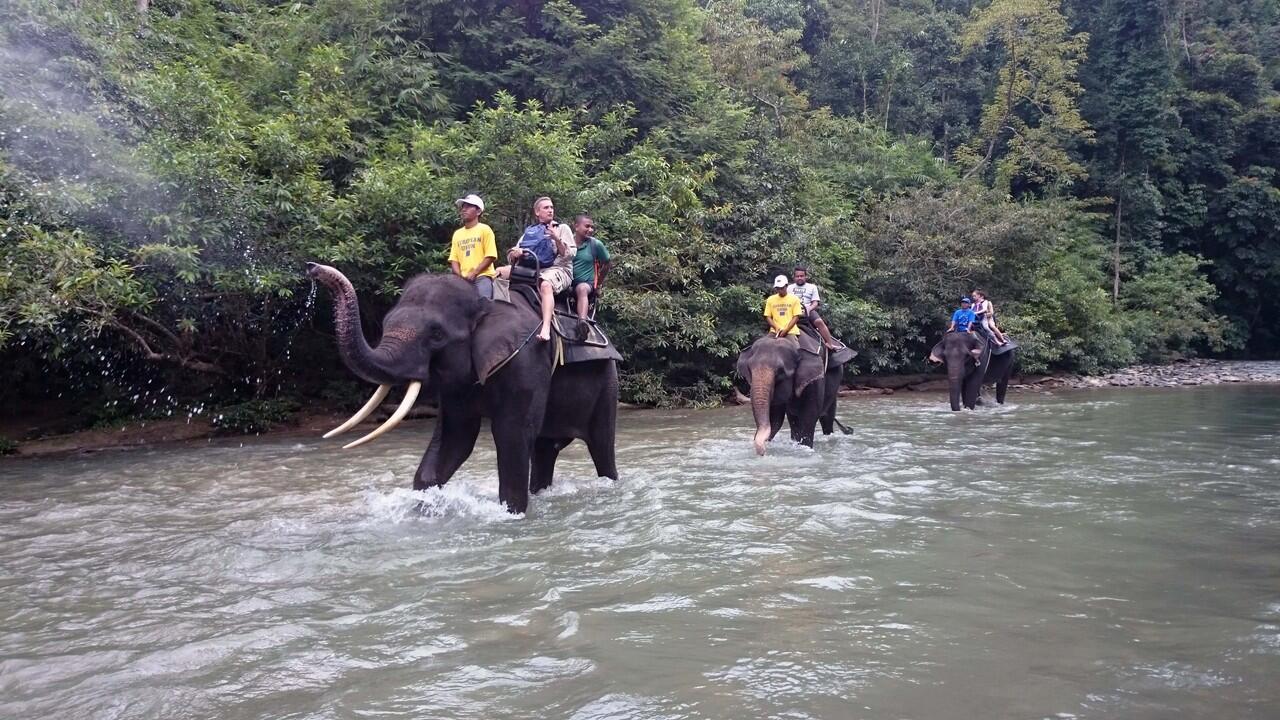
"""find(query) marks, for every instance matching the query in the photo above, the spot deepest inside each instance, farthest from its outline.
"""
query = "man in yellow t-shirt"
(781, 310)
(474, 249)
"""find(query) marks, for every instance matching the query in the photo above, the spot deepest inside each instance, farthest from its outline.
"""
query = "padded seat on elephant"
(570, 349)
(1009, 344)
(811, 343)
(809, 340)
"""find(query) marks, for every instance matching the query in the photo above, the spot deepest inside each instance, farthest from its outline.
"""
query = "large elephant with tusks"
(478, 358)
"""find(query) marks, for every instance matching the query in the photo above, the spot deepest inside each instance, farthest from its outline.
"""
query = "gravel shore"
(1192, 372)
(1189, 373)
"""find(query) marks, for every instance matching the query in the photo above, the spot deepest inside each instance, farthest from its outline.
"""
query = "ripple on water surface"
(1109, 554)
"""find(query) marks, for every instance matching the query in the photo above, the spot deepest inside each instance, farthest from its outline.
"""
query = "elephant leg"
(513, 439)
(600, 443)
(545, 453)
(451, 444)
(830, 394)
(972, 384)
(806, 417)
(828, 415)
(1003, 374)
(602, 435)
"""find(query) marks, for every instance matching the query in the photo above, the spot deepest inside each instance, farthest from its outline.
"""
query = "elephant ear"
(984, 357)
(936, 353)
(809, 369)
(744, 362)
(495, 338)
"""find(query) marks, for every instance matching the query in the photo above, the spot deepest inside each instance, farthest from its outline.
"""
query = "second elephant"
(788, 381)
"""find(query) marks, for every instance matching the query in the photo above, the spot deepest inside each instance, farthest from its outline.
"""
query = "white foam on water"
(570, 623)
(616, 706)
(565, 486)
(455, 499)
(835, 582)
(661, 603)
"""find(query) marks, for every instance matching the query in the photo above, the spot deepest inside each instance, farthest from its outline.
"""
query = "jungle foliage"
(1106, 170)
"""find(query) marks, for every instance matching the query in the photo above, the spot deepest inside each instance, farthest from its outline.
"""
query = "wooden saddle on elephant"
(573, 346)
(811, 342)
(1009, 344)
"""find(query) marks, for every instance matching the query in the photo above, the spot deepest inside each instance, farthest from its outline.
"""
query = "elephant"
(787, 381)
(478, 358)
(971, 360)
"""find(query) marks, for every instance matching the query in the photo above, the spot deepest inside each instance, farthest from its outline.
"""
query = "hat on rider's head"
(966, 299)
(472, 199)
(780, 281)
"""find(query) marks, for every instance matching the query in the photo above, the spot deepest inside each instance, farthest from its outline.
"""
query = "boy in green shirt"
(590, 265)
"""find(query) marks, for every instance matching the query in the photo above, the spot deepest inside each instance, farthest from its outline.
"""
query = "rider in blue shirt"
(962, 320)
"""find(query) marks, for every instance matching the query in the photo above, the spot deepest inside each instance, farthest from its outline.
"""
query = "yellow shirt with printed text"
(471, 246)
(779, 309)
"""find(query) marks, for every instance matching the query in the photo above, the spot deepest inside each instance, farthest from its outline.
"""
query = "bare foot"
(545, 335)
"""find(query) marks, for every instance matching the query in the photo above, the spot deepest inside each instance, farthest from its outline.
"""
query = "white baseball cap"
(780, 281)
(472, 199)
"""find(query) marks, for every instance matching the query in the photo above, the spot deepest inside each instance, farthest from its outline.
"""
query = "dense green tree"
(166, 171)
(1032, 118)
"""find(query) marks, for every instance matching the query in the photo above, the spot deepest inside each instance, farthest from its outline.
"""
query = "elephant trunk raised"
(369, 364)
(761, 397)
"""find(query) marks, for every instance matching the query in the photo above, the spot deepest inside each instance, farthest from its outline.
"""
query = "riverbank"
(147, 433)
(1189, 373)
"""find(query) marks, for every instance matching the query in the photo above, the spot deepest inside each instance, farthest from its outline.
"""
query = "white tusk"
(363, 412)
(406, 404)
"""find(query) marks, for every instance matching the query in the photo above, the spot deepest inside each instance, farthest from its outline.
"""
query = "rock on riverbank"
(1192, 372)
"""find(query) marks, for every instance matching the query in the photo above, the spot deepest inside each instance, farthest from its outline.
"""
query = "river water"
(1111, 554)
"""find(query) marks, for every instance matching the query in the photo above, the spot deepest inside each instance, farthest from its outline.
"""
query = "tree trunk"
(1115, 255)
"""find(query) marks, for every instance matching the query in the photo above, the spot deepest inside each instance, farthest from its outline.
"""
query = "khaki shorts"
(559, 279)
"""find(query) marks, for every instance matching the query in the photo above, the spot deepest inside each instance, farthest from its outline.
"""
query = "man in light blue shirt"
(962, 320)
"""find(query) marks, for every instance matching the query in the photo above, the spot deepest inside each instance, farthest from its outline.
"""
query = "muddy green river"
(1109, 554)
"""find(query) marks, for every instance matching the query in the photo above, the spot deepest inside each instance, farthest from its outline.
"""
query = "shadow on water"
(1103, 554)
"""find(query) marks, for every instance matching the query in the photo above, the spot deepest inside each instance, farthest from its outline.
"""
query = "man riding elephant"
(551, 244)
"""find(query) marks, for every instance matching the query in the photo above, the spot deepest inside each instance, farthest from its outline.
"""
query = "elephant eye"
(437, 335)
